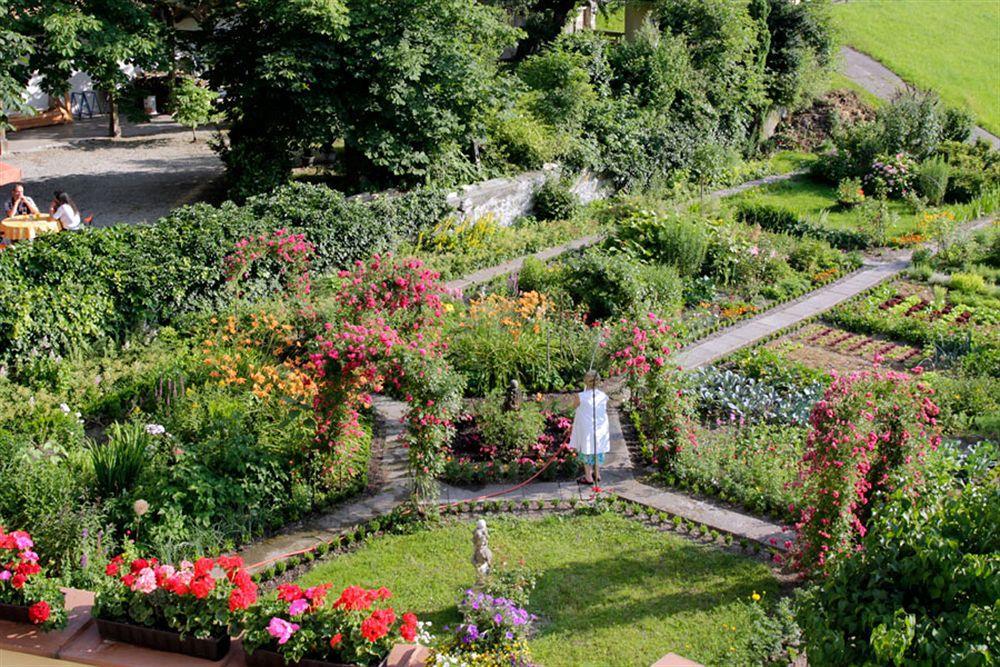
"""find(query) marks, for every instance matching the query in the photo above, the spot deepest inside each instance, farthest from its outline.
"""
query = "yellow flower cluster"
(453, 234)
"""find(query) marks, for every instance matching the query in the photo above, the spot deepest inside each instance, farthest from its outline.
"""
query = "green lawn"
(951, 46)
(610, 592)
(809, 199)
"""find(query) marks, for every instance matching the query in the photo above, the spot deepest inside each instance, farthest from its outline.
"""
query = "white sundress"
(591, 417)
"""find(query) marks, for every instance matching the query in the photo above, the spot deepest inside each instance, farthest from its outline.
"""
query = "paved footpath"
(750, 331)
(152, 169)
(882, 82)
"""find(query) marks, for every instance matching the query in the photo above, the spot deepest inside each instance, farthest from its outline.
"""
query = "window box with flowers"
(189, 609)
(301, 628)
(26, 594)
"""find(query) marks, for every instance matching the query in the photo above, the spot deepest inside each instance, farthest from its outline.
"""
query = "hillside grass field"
(950, 46)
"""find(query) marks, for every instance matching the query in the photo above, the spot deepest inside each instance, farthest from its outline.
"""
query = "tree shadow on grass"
(621, 589)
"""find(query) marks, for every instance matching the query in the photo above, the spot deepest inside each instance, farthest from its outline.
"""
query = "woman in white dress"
(65, 211)
(590, 436)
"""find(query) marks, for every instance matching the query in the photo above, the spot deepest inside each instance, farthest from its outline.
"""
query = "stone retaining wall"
(510, 198)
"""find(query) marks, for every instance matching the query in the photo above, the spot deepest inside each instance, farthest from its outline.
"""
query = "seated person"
(19, 203)
(65, 211)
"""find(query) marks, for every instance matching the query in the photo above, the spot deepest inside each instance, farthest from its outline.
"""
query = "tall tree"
(418, 78)
(278, 62)
(104, 38)
(15, 50)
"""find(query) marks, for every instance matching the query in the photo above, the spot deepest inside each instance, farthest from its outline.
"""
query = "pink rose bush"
(386, 335)
(870, 434)
(358, 627)
(23, 581)
(204, 598)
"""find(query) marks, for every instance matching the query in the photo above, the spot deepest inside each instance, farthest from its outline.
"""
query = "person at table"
(19, 203)
(65, 211)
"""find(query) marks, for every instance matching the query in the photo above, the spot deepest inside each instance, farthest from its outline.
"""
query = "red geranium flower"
(373, 629)
(409, 628)
(335, 640)
(202, 586)
(39, 612)
(290, 593)
(241, 599)
(203, 566)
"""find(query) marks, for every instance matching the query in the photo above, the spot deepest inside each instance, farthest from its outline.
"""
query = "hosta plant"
(358, 628)
(23, 582)
(206, 598)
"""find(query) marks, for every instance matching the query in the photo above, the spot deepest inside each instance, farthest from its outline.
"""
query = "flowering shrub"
(658, 405)
(256, 351)
(23, 583)
(206, 598)
(869, 433)
(494, 631)
(924, 588)
(890, 176)
(850, 193)
(388, 336)
(278, 260)
(357, 628)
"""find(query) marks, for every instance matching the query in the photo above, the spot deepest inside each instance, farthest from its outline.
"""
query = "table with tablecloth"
(26, 227)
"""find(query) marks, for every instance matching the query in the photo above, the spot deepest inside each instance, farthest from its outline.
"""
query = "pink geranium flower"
(281, 629)
(298, 607)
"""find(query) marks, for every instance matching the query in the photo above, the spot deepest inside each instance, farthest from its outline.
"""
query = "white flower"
(64, 408)
(155, 429)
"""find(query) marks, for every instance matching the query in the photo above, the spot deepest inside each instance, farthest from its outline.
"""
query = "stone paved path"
(882, 82)
(750, 331)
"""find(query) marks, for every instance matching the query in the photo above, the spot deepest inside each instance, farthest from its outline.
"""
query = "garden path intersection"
(620, 477)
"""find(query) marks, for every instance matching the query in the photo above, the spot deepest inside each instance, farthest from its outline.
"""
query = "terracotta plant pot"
(265, 658)
(15, 613)
(214, 648)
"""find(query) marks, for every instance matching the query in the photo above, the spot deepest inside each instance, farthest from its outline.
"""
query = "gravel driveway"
(132, 180)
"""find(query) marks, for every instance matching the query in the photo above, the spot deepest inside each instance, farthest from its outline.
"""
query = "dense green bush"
(975, 169)
(923, 588)
(777, 219)
(663, 239)
(554, 200)
(608, 284)
(71, 291)
(513, 432)
(914, 123)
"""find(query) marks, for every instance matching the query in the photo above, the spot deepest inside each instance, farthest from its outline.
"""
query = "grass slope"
(610, 591)
(950, 46)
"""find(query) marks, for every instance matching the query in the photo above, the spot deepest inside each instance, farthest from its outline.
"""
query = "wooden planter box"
(15, 613)
(214, 648)
(265, 658)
